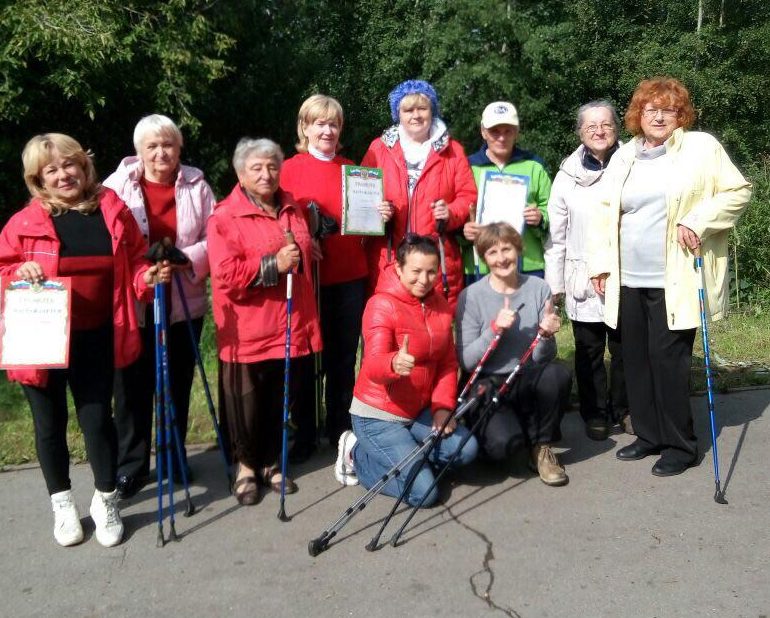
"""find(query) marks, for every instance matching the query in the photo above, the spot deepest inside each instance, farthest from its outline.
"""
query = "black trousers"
(89, 377)
(135, 390)
(657, 363)
(251, 407)
(591, 375)
(342, 306)
(532, 413)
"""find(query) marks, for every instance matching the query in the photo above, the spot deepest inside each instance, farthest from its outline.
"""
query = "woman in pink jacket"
(427, 180)
(171, 200)
(74, 228)
(257, 235)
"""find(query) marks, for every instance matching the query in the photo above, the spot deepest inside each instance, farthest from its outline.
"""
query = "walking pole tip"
(315, 547)
(719, 495)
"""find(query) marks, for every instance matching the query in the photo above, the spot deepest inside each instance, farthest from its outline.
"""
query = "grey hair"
(156, 123)
(262, 147)
(591, 105)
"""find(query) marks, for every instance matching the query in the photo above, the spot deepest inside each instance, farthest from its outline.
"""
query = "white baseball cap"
(499, 112)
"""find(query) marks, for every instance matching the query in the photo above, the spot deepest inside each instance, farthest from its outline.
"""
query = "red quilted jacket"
(389, 315)
(30, 235)
(448, 176)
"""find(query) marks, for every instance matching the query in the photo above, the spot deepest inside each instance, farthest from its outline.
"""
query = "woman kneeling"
(408, 380)
(519, 306)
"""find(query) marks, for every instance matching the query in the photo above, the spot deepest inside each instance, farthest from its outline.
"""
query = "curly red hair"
(662, 92)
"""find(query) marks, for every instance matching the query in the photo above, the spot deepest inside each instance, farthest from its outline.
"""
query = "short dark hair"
(414, 243)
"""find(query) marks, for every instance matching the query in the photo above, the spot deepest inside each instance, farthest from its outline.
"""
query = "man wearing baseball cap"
(500, 130)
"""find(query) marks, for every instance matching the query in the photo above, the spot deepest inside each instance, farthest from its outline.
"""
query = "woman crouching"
(408, 380)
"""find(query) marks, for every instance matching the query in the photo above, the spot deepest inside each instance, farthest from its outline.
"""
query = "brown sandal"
(271, 477)
(247, 497)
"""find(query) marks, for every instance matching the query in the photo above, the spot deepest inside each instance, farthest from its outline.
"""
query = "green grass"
(740, 348)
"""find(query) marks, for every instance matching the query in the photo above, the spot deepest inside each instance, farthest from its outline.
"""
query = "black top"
(82, 235)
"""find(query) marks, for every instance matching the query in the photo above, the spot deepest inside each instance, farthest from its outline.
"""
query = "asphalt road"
(616, 542)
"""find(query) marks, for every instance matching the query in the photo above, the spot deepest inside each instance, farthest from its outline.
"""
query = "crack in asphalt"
(486, 569)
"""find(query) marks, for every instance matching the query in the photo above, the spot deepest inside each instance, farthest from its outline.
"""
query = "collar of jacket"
(390, 138)
(37, 220)
(242, 206)
(480, 158)
(590, 162)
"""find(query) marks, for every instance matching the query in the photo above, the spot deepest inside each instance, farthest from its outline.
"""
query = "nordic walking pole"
(374, 543)
(433, 439)
(320, 543)
(202, 372)
(169, 407)
(501, 392)
(719, 496)
(440, 228)
(318, 230)
(476, 264)
(286, 377)
(161, 541)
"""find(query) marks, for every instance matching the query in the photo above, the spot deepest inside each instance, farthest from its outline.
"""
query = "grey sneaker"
(66, 519)
(104, 512)
(344, 471)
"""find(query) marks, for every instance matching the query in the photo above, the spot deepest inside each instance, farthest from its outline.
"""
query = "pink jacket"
(29, 235)
(251, 320)
(194, 204)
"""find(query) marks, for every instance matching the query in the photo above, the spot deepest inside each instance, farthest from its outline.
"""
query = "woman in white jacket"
(671, 192)
(170, 200)
(572, 209)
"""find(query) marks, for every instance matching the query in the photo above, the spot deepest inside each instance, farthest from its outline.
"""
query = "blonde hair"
(39, 152)
(317, 107)
(413, 99)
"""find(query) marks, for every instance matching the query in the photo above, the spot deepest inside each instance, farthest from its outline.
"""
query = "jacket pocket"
(576, 281)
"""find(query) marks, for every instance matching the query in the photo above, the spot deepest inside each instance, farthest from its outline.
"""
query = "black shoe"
(636, 450)
(301, 452)
(129, 486)
(670, 467)
(597, 428)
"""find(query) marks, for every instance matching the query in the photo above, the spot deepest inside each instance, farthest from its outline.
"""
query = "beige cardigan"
(705, 193)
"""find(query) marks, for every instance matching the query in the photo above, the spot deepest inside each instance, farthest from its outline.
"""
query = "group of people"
(612, 238)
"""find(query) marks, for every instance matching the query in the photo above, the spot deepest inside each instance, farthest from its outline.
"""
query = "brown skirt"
(251, 406)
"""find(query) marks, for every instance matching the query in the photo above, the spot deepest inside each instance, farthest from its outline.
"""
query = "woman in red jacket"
(427, 180)
(250, 252)
(75, 228)
(408, 380)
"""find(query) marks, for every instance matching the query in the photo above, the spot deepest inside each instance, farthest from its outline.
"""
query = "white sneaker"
(104, 512)
(66, 519)
(344, 471)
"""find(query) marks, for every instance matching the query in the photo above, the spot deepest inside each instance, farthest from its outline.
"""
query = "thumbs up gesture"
(551, 322)
(403, 362)
(505, 317)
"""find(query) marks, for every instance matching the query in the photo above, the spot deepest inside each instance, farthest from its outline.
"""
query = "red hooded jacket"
(446, 175)
(251, 320)
(389, 315)
(30, 236)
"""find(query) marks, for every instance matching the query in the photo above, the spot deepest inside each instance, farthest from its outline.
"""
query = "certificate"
(362, 193)
(34, 323)
(503, 198)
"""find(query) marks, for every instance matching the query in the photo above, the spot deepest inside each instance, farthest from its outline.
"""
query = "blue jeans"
(382, 444)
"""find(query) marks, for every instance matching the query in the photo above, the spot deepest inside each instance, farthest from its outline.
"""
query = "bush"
(750, 263)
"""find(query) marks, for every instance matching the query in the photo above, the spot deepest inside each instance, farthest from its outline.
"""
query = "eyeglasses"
(606, 127)
(666, 112)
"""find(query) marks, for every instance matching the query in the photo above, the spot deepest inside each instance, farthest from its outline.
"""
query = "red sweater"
(389, 315)
(310, 179)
